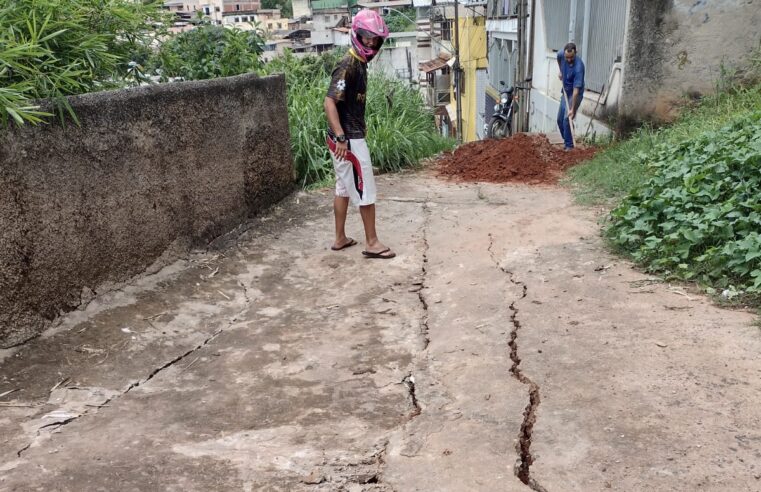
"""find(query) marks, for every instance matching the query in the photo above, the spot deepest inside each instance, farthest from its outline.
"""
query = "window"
(219, 22)
(446, 30)
(237, 19)
(502, 59)
(237, 7)
(207, 10)
(216, 9)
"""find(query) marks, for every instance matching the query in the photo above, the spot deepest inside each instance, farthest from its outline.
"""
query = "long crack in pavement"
(523, 444)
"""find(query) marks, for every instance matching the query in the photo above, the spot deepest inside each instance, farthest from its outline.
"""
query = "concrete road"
(503, 349)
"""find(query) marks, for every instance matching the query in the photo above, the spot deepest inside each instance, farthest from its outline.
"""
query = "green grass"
(618, 169)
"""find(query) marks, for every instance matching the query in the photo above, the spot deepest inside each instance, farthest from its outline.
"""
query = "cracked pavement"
(502, 349)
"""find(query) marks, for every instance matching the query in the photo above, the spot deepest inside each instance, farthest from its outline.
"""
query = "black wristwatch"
(341, 138)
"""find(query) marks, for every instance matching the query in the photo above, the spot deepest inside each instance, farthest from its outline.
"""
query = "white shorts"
(354, 175)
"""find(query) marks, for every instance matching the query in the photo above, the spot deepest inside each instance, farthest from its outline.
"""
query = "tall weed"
(400, 130)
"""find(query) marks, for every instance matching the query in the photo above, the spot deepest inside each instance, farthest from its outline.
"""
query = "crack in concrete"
(58, 425)
(18, 453)
(153, 374)
(409, 382)
(424, 270)
(380, 458)
(522, 467)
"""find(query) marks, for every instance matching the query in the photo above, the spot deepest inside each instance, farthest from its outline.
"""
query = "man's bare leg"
(372, 244)
(340, 211)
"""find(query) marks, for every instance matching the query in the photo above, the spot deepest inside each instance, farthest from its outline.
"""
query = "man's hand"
(341, 149)
(560, 77)
(572, 114)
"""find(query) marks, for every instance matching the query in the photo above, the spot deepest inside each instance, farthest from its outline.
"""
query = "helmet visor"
(369, 39)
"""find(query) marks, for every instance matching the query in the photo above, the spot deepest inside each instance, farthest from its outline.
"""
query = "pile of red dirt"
(522, 158)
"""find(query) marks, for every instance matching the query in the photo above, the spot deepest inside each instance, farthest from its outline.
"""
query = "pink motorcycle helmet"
(369, 24)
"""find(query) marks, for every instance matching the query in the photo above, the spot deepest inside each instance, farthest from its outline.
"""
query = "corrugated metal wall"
(556, 22)
(606, 34)
(606, 40)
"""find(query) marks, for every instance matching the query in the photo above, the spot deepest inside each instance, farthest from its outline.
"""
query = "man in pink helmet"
(345, 109)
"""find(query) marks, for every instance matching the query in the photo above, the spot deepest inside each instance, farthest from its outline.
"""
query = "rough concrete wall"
(676, 48)
(169, 165)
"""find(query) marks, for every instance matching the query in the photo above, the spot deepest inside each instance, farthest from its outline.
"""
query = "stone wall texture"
(679, 48)
(172, 165)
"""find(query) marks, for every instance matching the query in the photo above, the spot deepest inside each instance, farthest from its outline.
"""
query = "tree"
(210, 51)
(399, 21)
(285, 6)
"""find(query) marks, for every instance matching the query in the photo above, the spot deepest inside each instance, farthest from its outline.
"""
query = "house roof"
(238, 13)
(298, 32)
(435, 64)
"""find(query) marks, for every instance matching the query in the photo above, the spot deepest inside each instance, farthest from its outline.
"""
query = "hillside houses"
(641, 58)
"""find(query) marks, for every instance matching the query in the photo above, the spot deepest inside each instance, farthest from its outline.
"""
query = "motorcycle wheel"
(498, 129)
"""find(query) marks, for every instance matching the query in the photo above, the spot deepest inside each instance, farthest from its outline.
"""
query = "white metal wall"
(607, 25)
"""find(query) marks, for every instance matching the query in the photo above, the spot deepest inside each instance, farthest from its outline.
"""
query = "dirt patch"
(522, 158)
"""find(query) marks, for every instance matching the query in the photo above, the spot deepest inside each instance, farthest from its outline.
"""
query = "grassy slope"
(615, 171)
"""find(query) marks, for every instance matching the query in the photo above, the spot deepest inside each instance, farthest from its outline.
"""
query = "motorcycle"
(501, 123)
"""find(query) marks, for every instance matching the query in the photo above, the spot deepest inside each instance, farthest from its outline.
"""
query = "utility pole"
(519, 71)
(457, 70)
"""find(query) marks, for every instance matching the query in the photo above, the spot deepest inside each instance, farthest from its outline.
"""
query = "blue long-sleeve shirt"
(573, 75)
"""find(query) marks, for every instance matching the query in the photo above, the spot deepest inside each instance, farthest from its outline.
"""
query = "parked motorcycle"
(501, 123)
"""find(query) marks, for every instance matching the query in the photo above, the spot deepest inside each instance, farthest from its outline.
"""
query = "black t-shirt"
(348, 88)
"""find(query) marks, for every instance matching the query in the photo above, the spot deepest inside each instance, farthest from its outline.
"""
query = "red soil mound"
(522, 158)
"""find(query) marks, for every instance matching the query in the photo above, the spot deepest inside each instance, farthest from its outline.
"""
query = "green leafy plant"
(285, 6)
(55, 48)
(399, 20)
(698, 217)
(210, 51)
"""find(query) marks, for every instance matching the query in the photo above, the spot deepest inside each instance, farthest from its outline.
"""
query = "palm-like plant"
(55, 48)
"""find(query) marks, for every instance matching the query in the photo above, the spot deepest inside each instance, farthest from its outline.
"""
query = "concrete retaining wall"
(82, 207)
(677, 48)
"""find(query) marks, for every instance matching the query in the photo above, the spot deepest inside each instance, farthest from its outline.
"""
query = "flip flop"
(380, 254)
(351, 242)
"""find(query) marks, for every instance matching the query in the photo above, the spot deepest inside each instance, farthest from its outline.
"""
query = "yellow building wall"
(472, 57)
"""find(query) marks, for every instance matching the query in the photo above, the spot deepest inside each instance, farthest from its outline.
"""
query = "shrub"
(698, 217)
(209, 51)
(55, 48)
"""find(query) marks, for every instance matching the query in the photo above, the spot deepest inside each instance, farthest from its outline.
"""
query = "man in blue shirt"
(572, 75)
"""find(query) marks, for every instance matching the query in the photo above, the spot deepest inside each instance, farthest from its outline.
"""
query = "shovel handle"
(570, 121)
